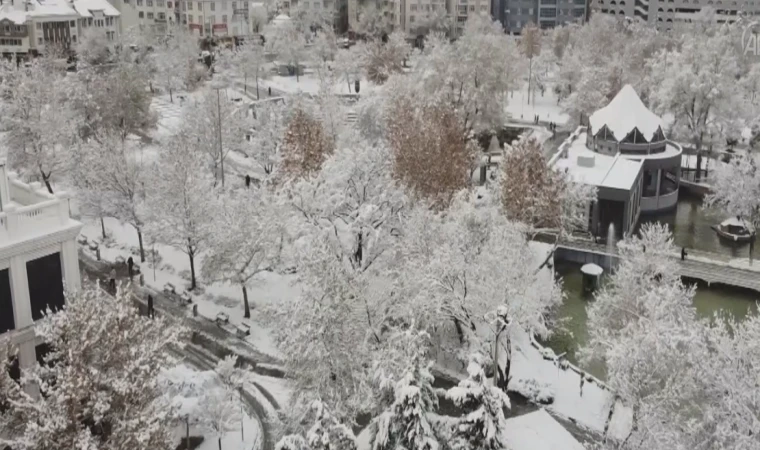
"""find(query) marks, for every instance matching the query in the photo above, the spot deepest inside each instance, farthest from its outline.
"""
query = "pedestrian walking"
(247, 181)
(683, 253)
(131, 267)
(270, 91)
(112, 280)
(150, 306)
(583, 380)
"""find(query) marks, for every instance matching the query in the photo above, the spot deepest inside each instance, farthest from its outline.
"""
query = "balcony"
(29, 211)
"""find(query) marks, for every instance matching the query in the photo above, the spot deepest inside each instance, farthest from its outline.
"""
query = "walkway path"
(709, 267)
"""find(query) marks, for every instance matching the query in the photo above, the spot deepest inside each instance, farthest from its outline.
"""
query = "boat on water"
(735, 229)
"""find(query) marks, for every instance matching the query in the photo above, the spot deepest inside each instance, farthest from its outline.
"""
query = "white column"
(659, 175)
(70, 262)
(22, 308)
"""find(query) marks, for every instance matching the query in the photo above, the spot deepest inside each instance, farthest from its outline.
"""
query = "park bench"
(120, 260)
(185, 298)
(169, 288)
(222, 318)
(93, 246)
(242, 330)
(82, 240)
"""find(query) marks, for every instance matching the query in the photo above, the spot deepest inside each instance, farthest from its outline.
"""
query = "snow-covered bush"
(535, 391)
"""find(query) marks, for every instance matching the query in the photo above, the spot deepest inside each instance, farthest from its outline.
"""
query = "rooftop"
(45, 8)
(585, 166)
(85, 7)
(625, 113)
(15, 15)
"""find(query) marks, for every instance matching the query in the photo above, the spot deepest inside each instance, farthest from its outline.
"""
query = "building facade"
(665, 14)
(515, 14)
(223, 18)
(38, 260)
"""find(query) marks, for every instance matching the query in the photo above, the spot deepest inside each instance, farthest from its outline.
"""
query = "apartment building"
(515, 14)
(27, 27)
(222, 17)
(38, 260)
(464, 9)
(664, 14)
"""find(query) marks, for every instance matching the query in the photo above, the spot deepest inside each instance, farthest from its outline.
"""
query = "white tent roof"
(624, 113)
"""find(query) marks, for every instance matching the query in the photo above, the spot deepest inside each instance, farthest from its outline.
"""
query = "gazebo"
(627, 127)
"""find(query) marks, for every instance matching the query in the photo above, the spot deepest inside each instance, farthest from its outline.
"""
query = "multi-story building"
(38, 260)
(665, 13)
(515, 14)
(27, 27)
(155, 15)
(222, 17)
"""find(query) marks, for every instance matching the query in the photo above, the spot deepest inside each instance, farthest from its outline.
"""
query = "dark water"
(708, 300)
(690, 223)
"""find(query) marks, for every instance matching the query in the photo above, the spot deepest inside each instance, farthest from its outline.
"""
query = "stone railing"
(31, 211)
(563, 148)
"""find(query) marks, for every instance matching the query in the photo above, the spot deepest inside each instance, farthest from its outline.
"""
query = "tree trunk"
(46, 179)
(219, 439)
(103, 226)
(257, 86)
(245, 82)
(246, 306)
(171, 97)
(460, 332)
(142, 249)
(530, 76)
(191, 255)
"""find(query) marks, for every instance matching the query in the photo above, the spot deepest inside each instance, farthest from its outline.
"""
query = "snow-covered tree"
(98, 383)
(530, 46)
(220, 412)
(385, 58)
(266, 136)
(327, 433)
(176, 57)
(231, 376)
(247, 240)
(348, 64)
(93, 48)
(289, 43)
(696, 82)
(215, 126)
(373, 21)
(735, 188)
(40, 125)
(345, 221)
(183, 201)
(325, 45)
(115, 175)
(249, 61)
(642, 326)
(405, 424)
(536, 195)
(482, 425)
(457, 267)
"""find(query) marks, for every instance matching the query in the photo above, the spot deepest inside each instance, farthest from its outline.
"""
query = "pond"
(707, 301)
(691, 225)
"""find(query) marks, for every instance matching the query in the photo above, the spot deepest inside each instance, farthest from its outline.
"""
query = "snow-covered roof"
(585, 166)
(85, 7)
(538, 431)
(281, 20)
(43, 8)
(592, 269)
(15, 15)
(624, 113)
(737, 222)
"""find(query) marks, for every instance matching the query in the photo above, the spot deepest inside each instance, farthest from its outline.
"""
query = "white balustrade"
(32, 210)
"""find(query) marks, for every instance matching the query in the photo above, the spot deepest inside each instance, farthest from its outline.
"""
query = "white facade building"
(99, 15)
(38, 259)
(222, 18)
(667, 13)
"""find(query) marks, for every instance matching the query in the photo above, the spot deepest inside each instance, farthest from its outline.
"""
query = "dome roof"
(626, 113)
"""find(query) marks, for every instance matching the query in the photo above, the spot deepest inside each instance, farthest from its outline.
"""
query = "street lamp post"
(219, 86)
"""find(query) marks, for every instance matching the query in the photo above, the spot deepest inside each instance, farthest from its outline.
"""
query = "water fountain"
(610, 244)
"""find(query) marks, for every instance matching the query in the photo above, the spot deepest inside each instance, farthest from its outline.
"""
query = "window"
(189, 6)
(213, 6)
(7, 29)
(413, 8)
(169, 5)
(45, 284)
(200, 6)
(73, 23)
(547, 12)
(6, 302)
(472, 8)
(141, 15)
(39, 25)
(149, 3)
(212, 19)
(161, 16)
(224, 18)
(39, 40)
(190, 18)
(150, 15)
(411, 19)
(234, 6)
(224, 5)
(483, 7)
(139, 2)
(160, 3)
(74, 38)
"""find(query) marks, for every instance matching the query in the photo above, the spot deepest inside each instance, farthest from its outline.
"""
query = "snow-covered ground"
(589, 406)
(185, 388)
(309, 83)
(538, 431)
(173, 267)
(519, 109)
